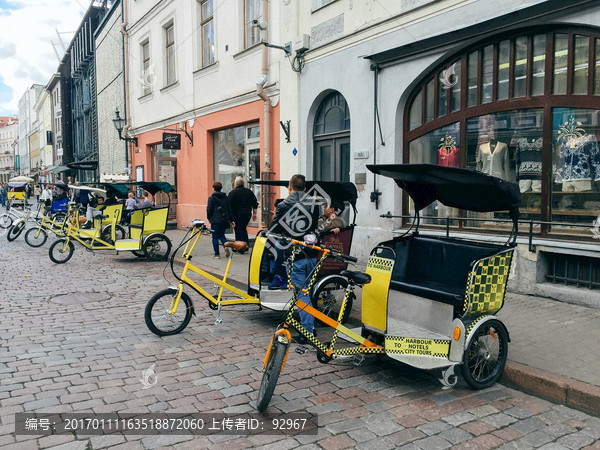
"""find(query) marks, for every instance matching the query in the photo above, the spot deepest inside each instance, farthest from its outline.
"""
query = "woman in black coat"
(219, 216)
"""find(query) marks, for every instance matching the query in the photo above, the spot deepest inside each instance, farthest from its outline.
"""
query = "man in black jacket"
(241, 203)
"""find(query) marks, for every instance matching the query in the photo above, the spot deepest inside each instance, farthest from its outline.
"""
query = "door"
(332, 159)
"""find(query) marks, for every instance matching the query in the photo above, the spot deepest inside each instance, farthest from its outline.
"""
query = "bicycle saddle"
(238, 246)
(356, 277)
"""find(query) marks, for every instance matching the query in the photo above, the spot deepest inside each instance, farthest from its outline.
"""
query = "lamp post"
(119, 123)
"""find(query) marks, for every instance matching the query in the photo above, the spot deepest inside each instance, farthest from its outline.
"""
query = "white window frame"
(204, 22)
(146, 74)
(248, 29)
(169, 61)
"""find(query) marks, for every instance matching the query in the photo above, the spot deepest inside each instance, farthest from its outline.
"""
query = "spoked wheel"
(106, 234)
(159, 318)
(61, 251)
(15, 231)
(59, 217)
(271, 374)
(329, 296)
(6, 221)
(36, 237)
(138, 253)
(157, 247)
(485, 357)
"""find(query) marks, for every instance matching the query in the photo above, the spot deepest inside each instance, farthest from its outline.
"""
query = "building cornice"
(240, 100)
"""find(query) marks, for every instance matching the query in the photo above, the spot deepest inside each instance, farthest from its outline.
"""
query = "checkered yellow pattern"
(487, 284)
(417, 346)
(357, 350)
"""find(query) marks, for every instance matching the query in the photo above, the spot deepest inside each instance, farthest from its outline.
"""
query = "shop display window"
(529, 113)
(575, 193)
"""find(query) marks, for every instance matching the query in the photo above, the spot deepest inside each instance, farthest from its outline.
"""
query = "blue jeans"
(300, 272)
(218, 235)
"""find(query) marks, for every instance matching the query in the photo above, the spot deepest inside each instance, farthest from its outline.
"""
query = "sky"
(27, 36)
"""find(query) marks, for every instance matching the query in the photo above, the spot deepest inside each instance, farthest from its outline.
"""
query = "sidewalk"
(553, 351)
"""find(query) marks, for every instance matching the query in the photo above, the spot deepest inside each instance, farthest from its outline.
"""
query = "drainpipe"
(127, 126)
(267, 111)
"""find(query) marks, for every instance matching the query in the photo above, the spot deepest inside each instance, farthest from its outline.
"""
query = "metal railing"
(529, 223)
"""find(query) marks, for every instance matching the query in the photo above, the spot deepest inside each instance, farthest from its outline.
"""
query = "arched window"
(331, 136)
(525, 108)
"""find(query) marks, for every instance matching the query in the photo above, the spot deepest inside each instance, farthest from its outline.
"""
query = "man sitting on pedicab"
(296, 217)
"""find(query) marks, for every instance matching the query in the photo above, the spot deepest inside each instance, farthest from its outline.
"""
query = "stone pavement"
(61, 352)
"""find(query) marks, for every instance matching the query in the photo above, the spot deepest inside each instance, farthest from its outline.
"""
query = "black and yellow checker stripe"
(382, 264)
(487, 284)
(473, 323)
(417, 346)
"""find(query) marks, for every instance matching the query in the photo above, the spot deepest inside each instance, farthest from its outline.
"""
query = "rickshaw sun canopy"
(17, 184)
(344, 191)
(460, 188)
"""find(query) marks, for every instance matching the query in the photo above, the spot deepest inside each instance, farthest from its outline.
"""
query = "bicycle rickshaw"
(17, 194)
(428, 302)
(164, 316)
(146, 229)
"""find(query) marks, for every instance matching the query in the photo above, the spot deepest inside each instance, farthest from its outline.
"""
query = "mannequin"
(529, 162)
(493, 159)
(578, 158)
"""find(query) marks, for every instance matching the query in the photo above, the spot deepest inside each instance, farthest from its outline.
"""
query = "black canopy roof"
(151, 186)
(460, 188)
(339, 190)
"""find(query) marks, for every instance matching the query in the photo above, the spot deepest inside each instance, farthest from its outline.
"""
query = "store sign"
(171, 141)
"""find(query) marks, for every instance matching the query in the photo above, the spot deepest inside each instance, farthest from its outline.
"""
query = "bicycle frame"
(365, 346)
(76, 233)
(224, 286)
(50, 225)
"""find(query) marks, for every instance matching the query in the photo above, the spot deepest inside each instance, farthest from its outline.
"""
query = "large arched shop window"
(525, 108)
(331, 137)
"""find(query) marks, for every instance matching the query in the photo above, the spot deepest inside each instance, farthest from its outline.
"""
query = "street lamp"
(119, 124)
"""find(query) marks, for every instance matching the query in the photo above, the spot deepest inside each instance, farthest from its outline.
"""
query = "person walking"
(242, 202)
(46, 198)
(37, 191)
(219, 216)
(3, 194)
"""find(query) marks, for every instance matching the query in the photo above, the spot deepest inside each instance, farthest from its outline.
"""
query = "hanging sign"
(171, 141)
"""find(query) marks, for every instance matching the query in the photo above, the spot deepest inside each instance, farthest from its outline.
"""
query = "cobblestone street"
(88, 352)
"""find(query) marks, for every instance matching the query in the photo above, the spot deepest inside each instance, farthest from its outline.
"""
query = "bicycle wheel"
(61, 251)
(6, 221)
(36, 237)
(329, 296)
(159, 318)
(106, 234)
(271, 374)
(157, 247)
(15, 231)
(485, 357)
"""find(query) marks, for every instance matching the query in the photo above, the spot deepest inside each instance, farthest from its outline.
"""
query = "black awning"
(83, 165)
(460, 188)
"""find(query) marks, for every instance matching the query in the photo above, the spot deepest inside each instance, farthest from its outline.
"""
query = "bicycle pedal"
(301, 350)
(218, 321)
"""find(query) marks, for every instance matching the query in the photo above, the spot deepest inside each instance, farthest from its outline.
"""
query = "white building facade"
(8, 141)
(444, 82)
(197, 70)
(26, 119)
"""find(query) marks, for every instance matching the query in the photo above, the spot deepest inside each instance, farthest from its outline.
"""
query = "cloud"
(27, 37)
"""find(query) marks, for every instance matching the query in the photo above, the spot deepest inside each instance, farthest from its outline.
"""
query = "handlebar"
(334, 252)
